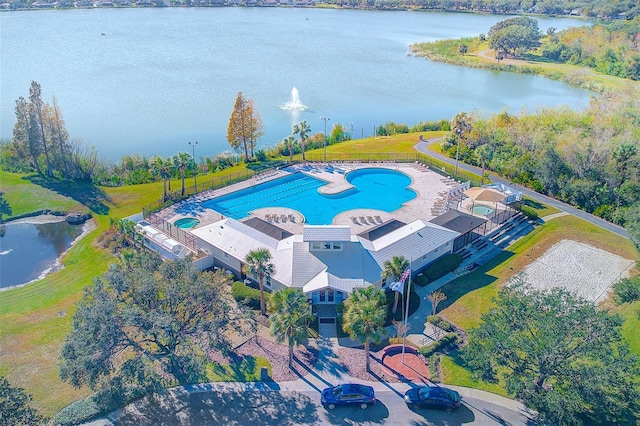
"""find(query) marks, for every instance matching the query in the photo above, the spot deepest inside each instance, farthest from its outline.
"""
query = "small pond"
(28, 251)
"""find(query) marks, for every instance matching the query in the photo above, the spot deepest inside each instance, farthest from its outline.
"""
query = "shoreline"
(87, 227)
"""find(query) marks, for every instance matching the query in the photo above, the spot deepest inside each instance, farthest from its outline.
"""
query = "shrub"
(246, 295)
(529, 212)
(78, 412)
(445, 344)
(439, 268)
(627, 290)
(441, 323)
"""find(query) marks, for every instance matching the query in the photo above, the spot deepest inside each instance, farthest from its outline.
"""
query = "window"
(323, 295)
(330, 296)
(326, 245)
(268, 281)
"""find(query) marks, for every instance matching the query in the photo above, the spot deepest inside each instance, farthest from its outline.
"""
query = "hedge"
(246, 295)
(439, 269)
(449, 341)
(441, 323)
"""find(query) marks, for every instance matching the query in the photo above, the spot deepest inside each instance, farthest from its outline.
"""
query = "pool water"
(379, 189)
(482, 210)
(186, 222)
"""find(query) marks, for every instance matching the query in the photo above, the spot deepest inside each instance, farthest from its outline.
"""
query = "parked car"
(432, 396)
(348, 394)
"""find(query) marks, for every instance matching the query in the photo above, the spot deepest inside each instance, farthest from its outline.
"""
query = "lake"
(29, 250)
(150, 80)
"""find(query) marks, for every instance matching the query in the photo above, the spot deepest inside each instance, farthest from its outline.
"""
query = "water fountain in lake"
(294, 104)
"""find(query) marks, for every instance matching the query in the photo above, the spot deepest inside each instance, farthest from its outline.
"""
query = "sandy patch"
(584, 270)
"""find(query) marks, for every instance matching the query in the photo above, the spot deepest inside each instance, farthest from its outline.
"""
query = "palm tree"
(157, 168)
(461, 125)
(289, 140)
(302, 129)
(289, 318)
(364, 317)
(393, 269)
(258, 263)
(182, 160)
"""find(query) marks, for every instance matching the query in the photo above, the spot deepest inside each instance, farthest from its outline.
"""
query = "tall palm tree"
(302, 129)
(289, 140)
(393, 269)
(258, 263)
(461, 125)
(157, 168)
(182, 160)
(364, 317)
(289, 318)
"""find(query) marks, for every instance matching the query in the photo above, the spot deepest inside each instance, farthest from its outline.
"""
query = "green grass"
(631, 314)
(454, 373)
(541, 209)
(247, 370)
(24, 197)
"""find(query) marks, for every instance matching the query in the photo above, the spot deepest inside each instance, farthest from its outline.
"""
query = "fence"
(226, 180)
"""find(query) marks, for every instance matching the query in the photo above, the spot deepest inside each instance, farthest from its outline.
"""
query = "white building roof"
(238, 239)
(326, 233)
(412, 241)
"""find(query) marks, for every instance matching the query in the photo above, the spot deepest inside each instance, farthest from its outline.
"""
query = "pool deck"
(430, 186)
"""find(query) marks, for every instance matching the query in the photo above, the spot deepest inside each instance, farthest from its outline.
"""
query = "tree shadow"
(532, 203)
(232, 405)
(85, 193)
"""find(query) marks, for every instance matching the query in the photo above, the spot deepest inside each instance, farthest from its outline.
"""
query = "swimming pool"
(380, 189)
(483, 210)
(186, 222)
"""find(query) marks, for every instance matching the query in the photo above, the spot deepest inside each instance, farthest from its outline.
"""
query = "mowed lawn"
(35, 319)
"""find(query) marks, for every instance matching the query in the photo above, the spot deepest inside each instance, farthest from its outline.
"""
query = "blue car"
(348, 394)
(432, 397)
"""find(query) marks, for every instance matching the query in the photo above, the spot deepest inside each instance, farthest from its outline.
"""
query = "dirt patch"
(584, 270)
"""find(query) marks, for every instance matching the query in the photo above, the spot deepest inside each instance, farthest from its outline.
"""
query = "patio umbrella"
(485, 194)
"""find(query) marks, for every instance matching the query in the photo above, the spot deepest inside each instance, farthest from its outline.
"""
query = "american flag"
(405, 274)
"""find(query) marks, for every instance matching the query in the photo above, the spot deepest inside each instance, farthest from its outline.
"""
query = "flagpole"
(406, 314)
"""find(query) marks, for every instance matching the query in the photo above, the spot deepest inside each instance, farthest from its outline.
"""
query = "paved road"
(422, 147)
(234, 405)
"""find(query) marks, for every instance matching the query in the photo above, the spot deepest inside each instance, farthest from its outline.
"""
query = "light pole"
(325, 136)
(195, 168)
(458, 132)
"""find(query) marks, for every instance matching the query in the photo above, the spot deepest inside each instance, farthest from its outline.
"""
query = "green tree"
(393, 269)
(302, 129)
(158, 169)
(181, 161)
(14, 406)
(5, 208)
(364, 317)
(463, 48)
(290, 317)
(289, 141)
(258, 263)
(461, 126)
(143, 324)
(245, 126)
(514, 34)
(560, 355)
(36, 106)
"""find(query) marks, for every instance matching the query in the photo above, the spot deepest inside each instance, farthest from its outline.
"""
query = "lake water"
(29, 250)
(150, 80)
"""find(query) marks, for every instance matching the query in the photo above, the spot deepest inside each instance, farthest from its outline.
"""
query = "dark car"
(432, 396)
(348, 394)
